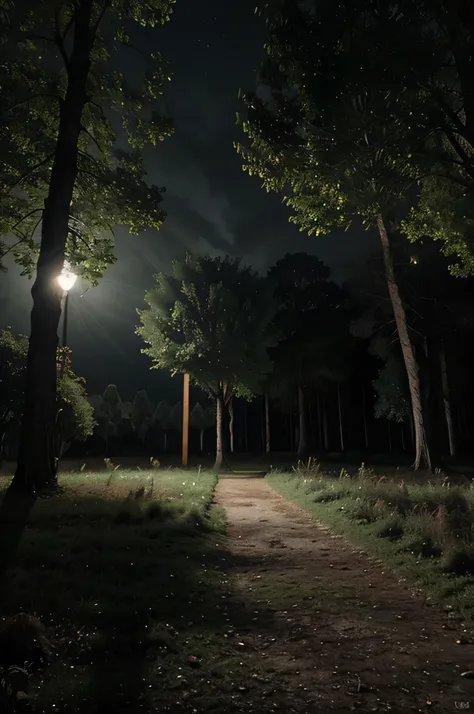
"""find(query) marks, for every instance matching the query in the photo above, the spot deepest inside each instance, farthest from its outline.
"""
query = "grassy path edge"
(423, 575)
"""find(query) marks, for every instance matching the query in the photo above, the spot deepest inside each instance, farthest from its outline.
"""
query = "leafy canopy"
(76, 413)
(211, 318)
(121, 116)
(324, 145)
(368, 107)
(315, 342)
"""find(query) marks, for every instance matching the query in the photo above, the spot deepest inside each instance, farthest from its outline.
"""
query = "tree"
(113, 404)
(212, 319)
(313, 331)
(337, 155)
(424, 55)
(58, 74)
(176, 417)
(75, 412)
(76, 415)
(105, 428)
(142, 415)
(202, 419)
(162, 417)
(392, 401)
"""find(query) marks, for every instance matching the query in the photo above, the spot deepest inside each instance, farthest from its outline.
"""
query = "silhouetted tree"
(142, 415)
(202, 419)
(162, 417)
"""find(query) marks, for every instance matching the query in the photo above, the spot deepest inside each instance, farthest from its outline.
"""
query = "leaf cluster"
(122, 115)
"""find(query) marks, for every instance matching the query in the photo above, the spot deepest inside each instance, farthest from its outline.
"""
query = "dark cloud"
(214, 48)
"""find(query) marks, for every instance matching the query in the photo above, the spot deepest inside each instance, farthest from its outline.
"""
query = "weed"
(309, 468)
(391, 528)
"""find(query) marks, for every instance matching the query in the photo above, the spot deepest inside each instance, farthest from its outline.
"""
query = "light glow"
(67, 277)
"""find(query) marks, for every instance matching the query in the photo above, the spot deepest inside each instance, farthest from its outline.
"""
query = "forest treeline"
(362, 119)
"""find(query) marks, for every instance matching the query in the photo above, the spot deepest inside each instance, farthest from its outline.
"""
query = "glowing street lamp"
(66, 279)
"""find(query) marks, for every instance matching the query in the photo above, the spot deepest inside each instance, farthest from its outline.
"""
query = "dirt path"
(331, 630)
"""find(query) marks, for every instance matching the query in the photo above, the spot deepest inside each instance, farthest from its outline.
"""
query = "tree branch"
(31, 171)
(35, 96)
(97, 106)
(31, 213)
(466, 160)
(93, 139)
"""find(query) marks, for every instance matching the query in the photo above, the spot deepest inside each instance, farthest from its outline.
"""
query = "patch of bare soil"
(332, 630)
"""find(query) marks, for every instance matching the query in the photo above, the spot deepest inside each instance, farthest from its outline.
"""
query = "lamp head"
(66, 278)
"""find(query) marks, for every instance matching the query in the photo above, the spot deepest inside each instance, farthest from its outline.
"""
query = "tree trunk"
(246, 427)
(165, 441)
(447, 402)
(364, 415)
(325, 426)
(320, 424)
(230, 409)
(37, 465)
(389, 436)
(267, 425)
(341, 431)
(422, 454)
(201, 440)
(303, 437)
(219, 451)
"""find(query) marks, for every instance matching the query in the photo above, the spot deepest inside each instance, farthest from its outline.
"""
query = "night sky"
(214, 48)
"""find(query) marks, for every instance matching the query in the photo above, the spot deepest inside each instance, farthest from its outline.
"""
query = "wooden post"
(185, 418)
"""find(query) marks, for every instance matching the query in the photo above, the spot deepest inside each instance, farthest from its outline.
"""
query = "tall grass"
(425, 527)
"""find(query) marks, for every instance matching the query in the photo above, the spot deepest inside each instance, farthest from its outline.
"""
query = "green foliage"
(391, 389)
(13, 354)
(212, 319)
(423, 529)
(121, 107)
(76, 413)
(345, 125)
(312, 137)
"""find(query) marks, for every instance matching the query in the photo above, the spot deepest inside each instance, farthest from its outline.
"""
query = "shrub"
(328, 496)
(422, 545)
(363, 512)
(391, 528)
(459, 561)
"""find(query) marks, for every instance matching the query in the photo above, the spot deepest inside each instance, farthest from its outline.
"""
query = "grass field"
(424, 530)
(124, 570)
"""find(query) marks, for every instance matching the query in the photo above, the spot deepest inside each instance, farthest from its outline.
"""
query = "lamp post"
(66, 280)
